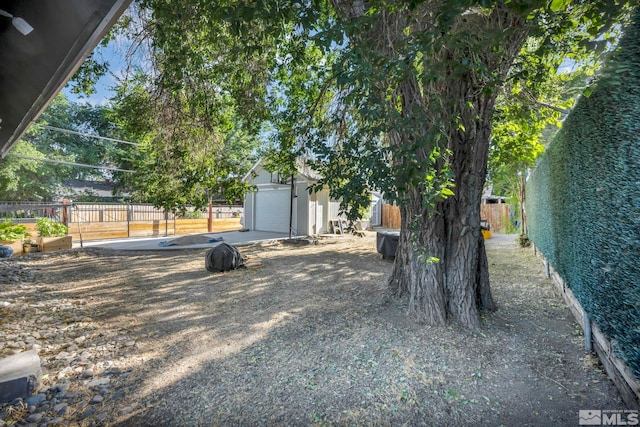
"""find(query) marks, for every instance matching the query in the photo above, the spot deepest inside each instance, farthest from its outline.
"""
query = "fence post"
(210, 219)
(129, 216)
(166, 223)
(588, 345)
(547, 272)
(65, 213)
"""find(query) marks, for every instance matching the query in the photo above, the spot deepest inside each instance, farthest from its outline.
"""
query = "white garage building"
(268, 208)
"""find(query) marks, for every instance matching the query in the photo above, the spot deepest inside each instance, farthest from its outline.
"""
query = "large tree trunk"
(441, 262)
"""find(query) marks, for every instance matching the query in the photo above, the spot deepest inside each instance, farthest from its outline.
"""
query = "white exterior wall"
(319, 212)
(247, 212)
(323, 211)
(376, 209)
(334, 208)
(268, 208)
(311, 212)
(264, 177)
(302, 204)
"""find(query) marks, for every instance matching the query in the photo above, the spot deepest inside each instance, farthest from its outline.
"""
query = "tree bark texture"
(441, 262)
(454, 282)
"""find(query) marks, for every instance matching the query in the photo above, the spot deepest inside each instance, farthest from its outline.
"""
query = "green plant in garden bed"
(49, 228)
(12, 232)
(191, 215)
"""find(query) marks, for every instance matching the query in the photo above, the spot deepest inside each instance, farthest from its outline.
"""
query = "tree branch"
(551, 107)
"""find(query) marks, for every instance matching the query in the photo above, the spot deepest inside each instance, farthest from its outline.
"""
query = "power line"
(61, 162)
(73, 132)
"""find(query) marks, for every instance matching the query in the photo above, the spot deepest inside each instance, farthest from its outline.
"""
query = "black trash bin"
(387, 243)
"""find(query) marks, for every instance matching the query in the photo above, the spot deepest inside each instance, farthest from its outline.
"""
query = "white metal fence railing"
(105, 212)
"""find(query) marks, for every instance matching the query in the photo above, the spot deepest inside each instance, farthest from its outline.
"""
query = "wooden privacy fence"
(390, 216)
(497, 214)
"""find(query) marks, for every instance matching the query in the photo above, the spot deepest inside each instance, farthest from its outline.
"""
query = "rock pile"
(83, 364)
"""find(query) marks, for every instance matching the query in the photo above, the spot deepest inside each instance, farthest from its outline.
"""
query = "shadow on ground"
(309, 336)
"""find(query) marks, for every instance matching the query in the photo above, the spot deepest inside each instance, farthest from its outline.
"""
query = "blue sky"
(113, 54)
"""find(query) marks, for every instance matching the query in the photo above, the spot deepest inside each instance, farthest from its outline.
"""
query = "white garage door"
(272, 210)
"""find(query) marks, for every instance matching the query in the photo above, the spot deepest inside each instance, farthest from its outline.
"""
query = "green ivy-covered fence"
(583, 201)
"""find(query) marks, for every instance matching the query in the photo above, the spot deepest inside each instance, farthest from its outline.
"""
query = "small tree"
(523, 123)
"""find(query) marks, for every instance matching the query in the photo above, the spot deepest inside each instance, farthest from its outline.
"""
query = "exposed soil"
(307, 335)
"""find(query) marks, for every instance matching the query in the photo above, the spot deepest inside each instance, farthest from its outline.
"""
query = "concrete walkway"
(154, 243)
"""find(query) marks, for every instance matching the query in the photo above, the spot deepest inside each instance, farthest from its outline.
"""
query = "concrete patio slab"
(236, 238)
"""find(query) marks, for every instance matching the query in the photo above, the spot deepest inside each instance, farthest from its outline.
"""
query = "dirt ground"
(308, 336)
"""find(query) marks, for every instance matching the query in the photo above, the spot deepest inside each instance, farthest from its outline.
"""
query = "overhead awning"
(36, 66)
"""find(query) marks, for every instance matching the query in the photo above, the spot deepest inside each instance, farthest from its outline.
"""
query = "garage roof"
(36, 66)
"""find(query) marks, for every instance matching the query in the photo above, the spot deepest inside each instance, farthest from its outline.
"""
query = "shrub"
(524, 241)
(12, 232)
(49, 228)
